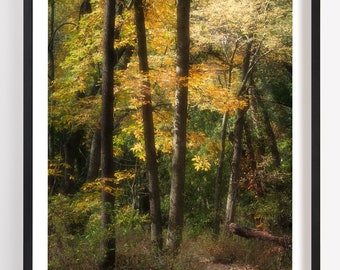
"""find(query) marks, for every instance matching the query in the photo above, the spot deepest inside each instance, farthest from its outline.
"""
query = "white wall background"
(11, 136)
(330, 139)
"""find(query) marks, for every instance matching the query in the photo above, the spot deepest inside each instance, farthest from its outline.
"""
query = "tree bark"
(148, 125)
(69, 156)
(257, 185)
(250, 148)
(246, 232)
(108, 199)
(174, 236)
(257, 102)
(218, 180)
(70, 148)
(219, 175)
(94, 162)
(237, 144)
(270, 134)
(51, 42)
(235, 167)
(51, 77)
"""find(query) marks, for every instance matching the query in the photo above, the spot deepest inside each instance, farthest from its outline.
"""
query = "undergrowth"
(135, 252)
(74, 243)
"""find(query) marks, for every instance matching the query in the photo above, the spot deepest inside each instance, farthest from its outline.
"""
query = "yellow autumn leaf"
(201, 163)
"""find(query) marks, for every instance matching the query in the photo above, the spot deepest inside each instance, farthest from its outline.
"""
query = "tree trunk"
(250, 148)
(270, 134)
(257, 185)
(174, 236)
(218, 180)
(235, 168)
(253, 106)
(256, 101)
(51, 68)
(108, 199)
(246, 232)
(69, 157)
(94, 162)
(148, 125)
(70, 149)
(219, 175)
(237, 144)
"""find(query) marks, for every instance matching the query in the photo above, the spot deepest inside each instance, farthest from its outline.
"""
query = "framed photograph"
(267, 201)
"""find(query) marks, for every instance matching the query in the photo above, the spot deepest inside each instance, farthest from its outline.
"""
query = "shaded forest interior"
(170, 123)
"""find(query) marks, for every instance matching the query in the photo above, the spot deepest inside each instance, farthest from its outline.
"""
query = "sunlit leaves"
(125, 25)
(160, 24)
(138, 149)
(206, 91)
(124, 175)
(201, 163)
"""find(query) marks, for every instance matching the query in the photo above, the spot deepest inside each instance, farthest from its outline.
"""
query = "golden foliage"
(207, 93)
(201, 163)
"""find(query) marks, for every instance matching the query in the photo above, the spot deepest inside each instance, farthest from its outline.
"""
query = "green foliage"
(74, 231)
(272, 210)
(129, 220)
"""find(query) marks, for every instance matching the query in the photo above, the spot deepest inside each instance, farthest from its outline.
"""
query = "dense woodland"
(170, 134)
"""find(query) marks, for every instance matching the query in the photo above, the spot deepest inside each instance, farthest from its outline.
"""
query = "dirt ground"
(220, 266)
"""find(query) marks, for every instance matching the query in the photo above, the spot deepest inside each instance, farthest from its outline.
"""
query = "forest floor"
(224, 265)
(206, 253)
(219, 266)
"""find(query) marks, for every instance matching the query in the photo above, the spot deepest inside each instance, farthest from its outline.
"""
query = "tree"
(108, 199)
(229, 59)
(148, 126)
(249, 63)
(269, 130)
(174, 236)
(94, 156)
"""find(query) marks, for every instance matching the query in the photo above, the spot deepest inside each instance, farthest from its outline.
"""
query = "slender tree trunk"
(94, 162)
(51, 43)
(69, 157)
(148, 125)
(108, 199)
(51, 68)
(70, 149)
(218, 180)
(219, 175)
(257, 102)
(235, 168)
(270, 134)
(51, 76)
(174, 236)
(249, 141)
(253, 106)
(256, 181)
(237, 145)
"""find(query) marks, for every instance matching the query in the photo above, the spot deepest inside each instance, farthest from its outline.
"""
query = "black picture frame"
(315, 114)
(28, 136)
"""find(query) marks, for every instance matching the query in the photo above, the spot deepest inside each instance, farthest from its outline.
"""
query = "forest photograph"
(170, 134)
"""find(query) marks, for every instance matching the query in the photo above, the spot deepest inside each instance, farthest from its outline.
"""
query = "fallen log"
(283, 240)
